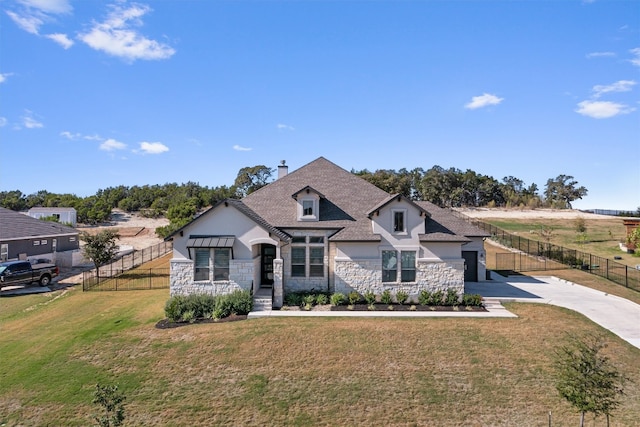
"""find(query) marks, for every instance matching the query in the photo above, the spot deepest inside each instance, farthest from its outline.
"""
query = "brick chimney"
(283, 169)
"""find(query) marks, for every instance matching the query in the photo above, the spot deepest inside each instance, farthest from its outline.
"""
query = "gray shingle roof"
(348, 199)
(15, 226)
(444, 225)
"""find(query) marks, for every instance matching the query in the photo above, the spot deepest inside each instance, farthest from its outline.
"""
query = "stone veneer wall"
(366, 275)
(181, 282)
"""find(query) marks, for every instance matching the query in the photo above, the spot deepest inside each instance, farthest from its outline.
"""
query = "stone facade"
(182, 283)
(366, 275)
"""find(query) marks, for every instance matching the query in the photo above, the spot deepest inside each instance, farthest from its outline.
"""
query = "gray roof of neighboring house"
(15, 225)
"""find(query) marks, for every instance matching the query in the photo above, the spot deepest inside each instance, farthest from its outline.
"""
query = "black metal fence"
(534, 255)
(124, 274)
(130, 280)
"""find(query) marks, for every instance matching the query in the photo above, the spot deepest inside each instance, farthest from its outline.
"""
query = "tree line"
(181, 202)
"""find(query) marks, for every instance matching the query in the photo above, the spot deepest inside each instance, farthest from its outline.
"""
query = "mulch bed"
(404, 307)
(167, 324)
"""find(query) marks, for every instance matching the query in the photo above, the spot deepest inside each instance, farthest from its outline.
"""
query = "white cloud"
(153, 147)
(600, 55)
(635, 52)
(282, 126)
(112, 144)
(240, 148)
(619, 86)
(61, 39)
(30, 122)
(49, 6)
(93, 137)
(602, 109)
(3, 77)
(483, 100)
(3, 121)
(70, 136)
(29, 23)
(116, 37)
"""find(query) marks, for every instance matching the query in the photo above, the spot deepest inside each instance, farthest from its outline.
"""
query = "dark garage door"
(470, 266)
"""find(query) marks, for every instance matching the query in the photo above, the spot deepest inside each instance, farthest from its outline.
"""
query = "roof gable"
(397, 197)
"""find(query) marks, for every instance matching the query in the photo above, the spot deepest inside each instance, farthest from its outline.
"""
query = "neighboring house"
(65, 216)
(24, 237)
(323, 228)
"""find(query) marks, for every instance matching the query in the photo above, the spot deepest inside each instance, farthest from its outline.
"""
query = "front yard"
(286, 371)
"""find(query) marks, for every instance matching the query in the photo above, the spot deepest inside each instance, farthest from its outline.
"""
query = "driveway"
(620, 316)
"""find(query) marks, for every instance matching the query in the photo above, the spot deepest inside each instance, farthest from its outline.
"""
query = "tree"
(251, 178)
(586, 378)
(562, 190)
(112, 402)
(101, 247)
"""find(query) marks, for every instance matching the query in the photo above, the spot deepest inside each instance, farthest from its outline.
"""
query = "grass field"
(286, 371)
(602, 236)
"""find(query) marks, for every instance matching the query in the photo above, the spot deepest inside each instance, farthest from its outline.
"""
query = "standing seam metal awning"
(211, 242)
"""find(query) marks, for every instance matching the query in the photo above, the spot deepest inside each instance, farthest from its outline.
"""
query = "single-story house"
(65, 216)
(24, 237)
(323, 228)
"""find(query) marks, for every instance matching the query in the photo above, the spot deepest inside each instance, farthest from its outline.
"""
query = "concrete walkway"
(619, 315)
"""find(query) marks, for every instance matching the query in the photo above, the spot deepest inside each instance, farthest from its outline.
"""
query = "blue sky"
(96, 94)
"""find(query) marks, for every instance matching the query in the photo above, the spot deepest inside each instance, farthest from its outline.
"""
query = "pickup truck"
(23, 273)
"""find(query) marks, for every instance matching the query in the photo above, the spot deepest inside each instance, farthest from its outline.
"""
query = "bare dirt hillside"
(528, 213)
(134, 230)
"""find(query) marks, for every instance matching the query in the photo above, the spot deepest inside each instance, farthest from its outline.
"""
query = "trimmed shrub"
(370, 297)
(437, 297)
(337, 299)
(293, 299)
(402, 297)
(472, 300)
(173, 308)
(322, 299)
(308, 301)
(452, 298)
(241, 302)
(386, 297)
(353, 297)
(424, 298)
(189, 316)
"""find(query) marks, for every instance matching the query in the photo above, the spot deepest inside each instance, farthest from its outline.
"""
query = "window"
(307, 208)
(72, 239)
(202, 265)
(36, 243)
(390, 266)
(316, 262)
(4, 251)
(408, 273)
(204, 262)
(298, 261)
(221, 257)
(308, 251)
(398, 221)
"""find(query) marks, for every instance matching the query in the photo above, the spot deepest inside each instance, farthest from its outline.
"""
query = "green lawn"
(286, 371)
(603, 235)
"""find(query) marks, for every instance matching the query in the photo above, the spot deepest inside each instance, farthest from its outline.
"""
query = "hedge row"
(193, 307)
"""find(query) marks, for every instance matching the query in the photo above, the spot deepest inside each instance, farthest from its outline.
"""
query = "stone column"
(278, 285)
